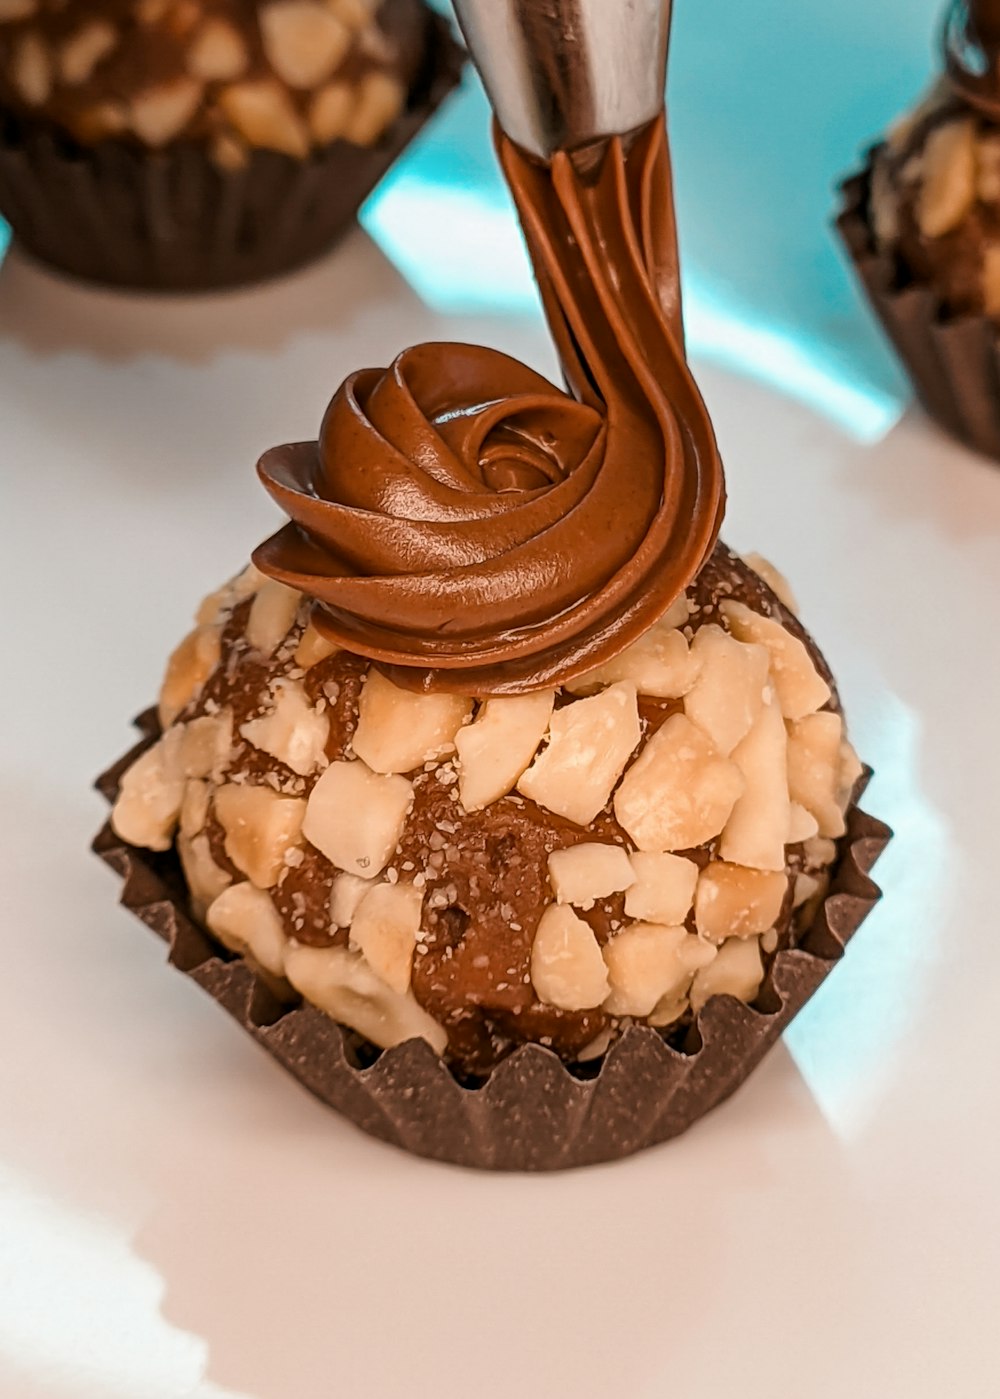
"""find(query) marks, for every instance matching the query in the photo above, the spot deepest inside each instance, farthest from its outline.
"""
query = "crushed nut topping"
(554, 865)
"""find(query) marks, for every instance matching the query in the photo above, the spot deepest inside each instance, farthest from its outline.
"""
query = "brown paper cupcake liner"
(532, 1113)
(173, 220)
(953, 361)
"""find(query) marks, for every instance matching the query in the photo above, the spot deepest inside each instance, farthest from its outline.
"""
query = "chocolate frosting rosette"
(497, 799)
(197, 144)
(921, 223)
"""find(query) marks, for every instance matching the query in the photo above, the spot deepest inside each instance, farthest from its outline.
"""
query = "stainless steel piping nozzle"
(562, 74)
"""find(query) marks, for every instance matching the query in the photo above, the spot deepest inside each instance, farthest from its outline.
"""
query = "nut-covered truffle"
(283, 75)
(389, 857)
(935, 202)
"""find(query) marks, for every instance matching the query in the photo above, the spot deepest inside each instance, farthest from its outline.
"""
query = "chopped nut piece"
(313, 647)
(228, 151)
(246, 921)
(820, 851)
(194, 808)
(582, 874)
(733, 902)
(988, 169)
(218, 605)
(673, 1005)
(260, 826)
(356, 816)
(385, 927)
(596, 1047)
(373, 44)
(567, 969)
(850, 770)
(11, 10)
(304, 42)
(263, 113)
(399, 731)
(811, 889)
(153, 789)
(802, 825)
(814, 769)
(206, 744)
(160, 113)
(341, 983)
(189, 666)
(799, 686)
(736, 971)
(806, 885)
(380, 101)
(729, 691)
(757, 830)
(218, 53)
(664, 886)
(354, 13)
(205, 879)
(647, 962)
(293, 731)
(330, 111)
(679, 792)
(150, 796)
(991, 278)
(659, 664)
(590, 742)
(80, 55)
(498, 746)
(272, 613)
(31, 70)
(774, 579)
(949, 184)
(346, 894)
(677, 613)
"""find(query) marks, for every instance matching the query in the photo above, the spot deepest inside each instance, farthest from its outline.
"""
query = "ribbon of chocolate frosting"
(971, 44)
(470, 527)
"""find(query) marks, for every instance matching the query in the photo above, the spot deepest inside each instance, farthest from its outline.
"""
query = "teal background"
(769, 104)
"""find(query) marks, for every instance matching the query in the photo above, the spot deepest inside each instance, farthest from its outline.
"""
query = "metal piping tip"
(562, 74)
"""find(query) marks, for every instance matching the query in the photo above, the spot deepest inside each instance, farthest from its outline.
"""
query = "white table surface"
(177, 1217)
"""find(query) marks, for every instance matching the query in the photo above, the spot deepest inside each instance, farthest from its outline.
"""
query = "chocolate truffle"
(935, 202)
(922, 224)
(174, 102)
(546, 867)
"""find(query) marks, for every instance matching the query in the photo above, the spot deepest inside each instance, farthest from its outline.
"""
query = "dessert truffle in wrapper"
(493, 1089)
(503, 804)
(921, 223)
(200, 144)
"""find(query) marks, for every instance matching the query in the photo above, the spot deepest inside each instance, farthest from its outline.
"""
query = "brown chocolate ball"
(286, 75)
(935, 202)
(548, 867)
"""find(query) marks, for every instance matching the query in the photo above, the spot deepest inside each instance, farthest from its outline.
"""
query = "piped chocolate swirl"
(469, 526)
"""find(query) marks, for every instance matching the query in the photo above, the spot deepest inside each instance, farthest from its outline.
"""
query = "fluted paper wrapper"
(173, 220)
(532, 1113)
(953, 361)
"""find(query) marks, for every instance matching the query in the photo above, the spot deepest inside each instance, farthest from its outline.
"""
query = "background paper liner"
(953, 361)
(172, 220)
(532, 1113)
